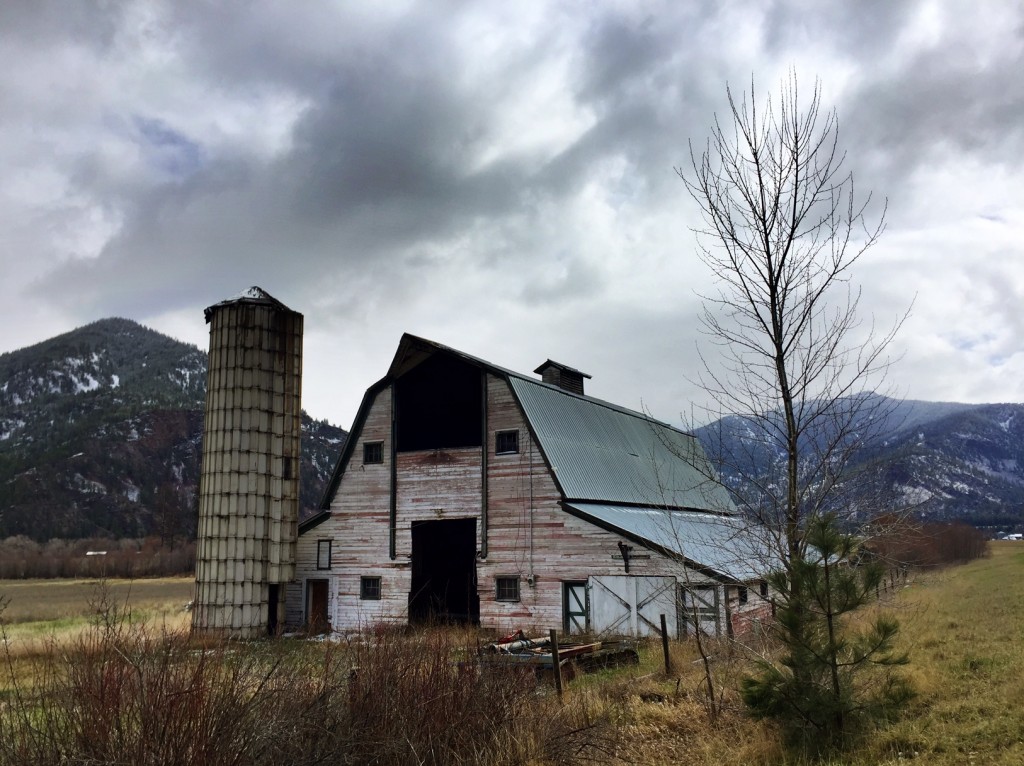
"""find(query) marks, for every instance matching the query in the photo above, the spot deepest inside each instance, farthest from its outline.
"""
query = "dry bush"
(422, 698)
(903, 542)
(121, 694)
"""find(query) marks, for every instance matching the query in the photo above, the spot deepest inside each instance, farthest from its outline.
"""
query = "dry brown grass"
(964, 628)
(121, 694)
(40, 611)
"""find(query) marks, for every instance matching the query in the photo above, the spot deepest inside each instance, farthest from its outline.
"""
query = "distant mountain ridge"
(101, 428)
(939, 460)
(100, 434)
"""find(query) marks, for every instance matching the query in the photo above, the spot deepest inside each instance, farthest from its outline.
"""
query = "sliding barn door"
(622, 605)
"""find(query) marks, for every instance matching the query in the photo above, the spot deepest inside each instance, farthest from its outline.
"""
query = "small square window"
(507, 588)
(506, 442)
(741, 593)
(323, 554)
(373, 452)
(369, 588)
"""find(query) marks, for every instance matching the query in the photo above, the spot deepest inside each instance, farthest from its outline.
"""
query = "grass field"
(40, 609)
(963, 627)
(965, 631)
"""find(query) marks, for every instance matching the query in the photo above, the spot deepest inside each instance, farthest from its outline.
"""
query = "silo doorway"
(444, 572)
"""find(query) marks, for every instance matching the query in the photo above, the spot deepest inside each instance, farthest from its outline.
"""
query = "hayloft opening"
(439, 405)
(444, 572)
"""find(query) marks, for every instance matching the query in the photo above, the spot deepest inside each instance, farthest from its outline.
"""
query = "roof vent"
(563, 376)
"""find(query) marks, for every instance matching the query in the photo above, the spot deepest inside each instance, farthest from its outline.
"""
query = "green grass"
(965, 631)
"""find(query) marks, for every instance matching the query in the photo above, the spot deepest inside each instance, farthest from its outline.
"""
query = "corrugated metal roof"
(601, 452)
(728, 545)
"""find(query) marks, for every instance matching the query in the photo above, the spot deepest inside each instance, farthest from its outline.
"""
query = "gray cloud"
(468, 169)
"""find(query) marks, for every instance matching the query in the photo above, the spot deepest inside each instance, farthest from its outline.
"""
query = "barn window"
(741, 593)
(507, 588)
(323, 554)
(369, 588)
(506, 442)
(764, 590)
(373, 452)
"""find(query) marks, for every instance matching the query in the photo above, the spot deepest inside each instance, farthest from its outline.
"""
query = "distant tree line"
(23, 558)
(925, 545)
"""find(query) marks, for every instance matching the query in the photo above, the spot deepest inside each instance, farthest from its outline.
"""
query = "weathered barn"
(470, 492)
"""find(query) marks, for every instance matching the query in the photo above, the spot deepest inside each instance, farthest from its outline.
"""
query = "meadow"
(143, 692)
(38, 610)
(964, 629)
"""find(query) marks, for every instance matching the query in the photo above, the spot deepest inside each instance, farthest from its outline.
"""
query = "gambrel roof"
(603, 453)
(615, 467)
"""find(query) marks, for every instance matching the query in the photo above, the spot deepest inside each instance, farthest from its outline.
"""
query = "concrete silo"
(249, 485)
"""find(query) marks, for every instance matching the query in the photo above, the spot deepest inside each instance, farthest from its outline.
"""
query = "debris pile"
(519, 649)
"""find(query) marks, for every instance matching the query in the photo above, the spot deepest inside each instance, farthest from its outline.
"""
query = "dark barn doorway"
(444, 572)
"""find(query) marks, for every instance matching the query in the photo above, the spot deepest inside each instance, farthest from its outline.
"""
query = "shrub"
(123, 695)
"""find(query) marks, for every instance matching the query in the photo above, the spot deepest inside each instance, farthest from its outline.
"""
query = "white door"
(624, 605)
(656, 596)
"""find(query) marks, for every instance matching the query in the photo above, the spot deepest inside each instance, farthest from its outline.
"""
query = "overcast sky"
(497, 177)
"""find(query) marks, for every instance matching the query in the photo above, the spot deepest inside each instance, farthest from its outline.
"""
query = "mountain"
(101, 429)
(941, 460)
(100, 435)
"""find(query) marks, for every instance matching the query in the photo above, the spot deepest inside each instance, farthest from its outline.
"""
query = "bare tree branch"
(782, 230)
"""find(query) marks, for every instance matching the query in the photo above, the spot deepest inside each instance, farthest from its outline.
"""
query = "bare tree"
(796, 367)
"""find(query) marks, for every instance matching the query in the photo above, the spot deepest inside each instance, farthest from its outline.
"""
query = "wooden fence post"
(556, 666)
(664, 646)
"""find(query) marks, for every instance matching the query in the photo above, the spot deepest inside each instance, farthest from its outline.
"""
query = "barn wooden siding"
(359, 525)
(748, 618)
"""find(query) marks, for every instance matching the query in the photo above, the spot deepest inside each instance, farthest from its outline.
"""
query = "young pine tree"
(832, 679)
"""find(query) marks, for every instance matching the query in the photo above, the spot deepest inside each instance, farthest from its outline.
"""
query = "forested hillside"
(100, 435)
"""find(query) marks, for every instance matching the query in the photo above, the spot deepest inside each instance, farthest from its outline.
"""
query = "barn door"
(656, 596)
(576, 615)
(316, 606)
(631, 606)
(699, 607)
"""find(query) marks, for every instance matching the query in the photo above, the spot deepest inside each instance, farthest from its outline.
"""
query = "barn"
(468, 492)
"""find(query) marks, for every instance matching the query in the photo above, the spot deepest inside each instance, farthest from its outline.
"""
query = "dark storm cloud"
(470, 168)
(939, 105)
(393, 141)
(380, 161)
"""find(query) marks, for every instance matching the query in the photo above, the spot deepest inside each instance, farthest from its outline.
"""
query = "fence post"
(664, 646)
(556, 666)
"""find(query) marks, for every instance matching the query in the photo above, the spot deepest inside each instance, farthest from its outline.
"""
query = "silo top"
(254, 295)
